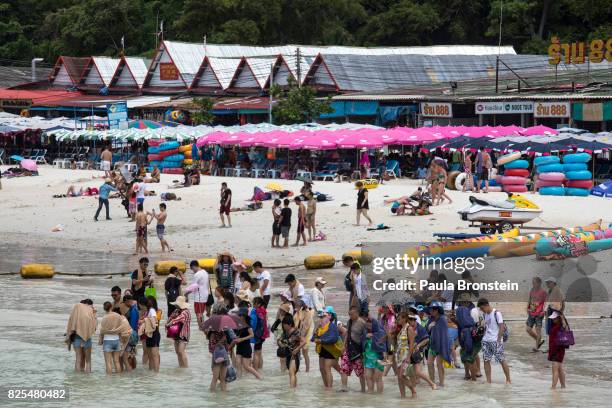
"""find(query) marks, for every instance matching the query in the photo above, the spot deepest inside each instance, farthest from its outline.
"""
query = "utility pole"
(298, 67)
(497, 74)
(270, 83)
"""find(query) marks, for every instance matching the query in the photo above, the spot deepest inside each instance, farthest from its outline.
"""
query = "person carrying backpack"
(496, 334)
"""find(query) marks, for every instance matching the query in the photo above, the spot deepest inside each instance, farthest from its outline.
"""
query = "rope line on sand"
(127, 273)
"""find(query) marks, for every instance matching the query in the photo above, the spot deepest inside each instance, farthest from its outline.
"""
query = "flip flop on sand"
(540, 344)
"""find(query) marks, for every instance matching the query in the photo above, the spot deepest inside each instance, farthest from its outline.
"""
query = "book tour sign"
(501, 108)
(579, 52)
(437, 109)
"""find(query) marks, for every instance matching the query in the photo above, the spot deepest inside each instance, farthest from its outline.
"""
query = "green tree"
(95, 27)
(299, 105)
(202, 114)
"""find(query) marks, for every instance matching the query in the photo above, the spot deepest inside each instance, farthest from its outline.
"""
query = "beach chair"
(328, 173)
(304, 173)
(40, 157)
(2, 157)
(32, 154)
(393, 169)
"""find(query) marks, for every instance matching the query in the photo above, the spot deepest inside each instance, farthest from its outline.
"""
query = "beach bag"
(506, 331)
(478, 332)
(417, 356)
(348, 284)
(151, 291)
(219, 354)
(259, 329)
(173, 331)
(565, 337)
(230, 374)
(133, 340)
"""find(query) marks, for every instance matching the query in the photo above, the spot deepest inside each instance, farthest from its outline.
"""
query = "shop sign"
(117, 114)
(168, 71)
(437, 109)
(551, 110)
(491, 108)
(579, 52)
(15, 103)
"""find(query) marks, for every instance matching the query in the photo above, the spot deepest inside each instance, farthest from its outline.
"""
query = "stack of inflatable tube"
(525, 244)
(185, 150)
(155, 142)
(516, 180)
(171, 160)
(36, 271)
(579, 179)
(470, 247)
(549, 175)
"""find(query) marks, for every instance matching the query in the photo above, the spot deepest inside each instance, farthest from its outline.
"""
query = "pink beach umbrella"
(538, 130)
(280, 139)
(364, 138)
(321, 140)
(210, 138)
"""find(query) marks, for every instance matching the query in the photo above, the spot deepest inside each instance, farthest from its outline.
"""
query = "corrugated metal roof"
(138, 67)
(261, 69)
(379, 72)
(106, 67)
(224, 69)
(239, 51)
(443, 98)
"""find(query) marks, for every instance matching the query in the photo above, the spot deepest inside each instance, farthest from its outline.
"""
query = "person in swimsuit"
(311, 210)
(142, 220)
(291, 343)
(161, 228)
(226, 205)
(301, 222)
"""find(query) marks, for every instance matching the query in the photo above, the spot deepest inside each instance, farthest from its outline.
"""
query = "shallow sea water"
(34, 315)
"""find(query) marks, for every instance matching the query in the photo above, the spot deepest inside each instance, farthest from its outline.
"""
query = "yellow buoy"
(163, 267)
(359, 255)
(188, 162)
(208, 264)
(37, 271)
(185, 148)
(319, 261)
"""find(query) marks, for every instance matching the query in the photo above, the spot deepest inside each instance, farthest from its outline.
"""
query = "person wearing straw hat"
(178, 328)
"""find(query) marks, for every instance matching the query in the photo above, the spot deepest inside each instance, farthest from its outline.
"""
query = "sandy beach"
(29, 213)
(32, 334)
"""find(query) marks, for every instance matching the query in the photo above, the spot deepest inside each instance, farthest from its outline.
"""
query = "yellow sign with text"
(578, 52)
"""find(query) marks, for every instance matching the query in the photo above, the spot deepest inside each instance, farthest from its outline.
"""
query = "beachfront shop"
(372, 112)
(593, 116)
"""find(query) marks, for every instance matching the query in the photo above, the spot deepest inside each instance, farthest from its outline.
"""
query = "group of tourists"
(417, 340)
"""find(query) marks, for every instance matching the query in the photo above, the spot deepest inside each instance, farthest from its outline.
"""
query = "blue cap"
(330, 310)
(420, 308)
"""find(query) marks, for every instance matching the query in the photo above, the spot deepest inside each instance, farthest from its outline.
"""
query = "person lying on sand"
(73, 192)
(155, 176)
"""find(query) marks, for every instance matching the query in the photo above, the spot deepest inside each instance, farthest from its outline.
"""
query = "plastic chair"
(393, 169)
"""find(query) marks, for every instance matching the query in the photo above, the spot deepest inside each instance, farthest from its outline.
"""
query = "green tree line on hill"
(48, 28)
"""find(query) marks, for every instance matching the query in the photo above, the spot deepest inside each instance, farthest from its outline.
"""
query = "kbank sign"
(500, 108)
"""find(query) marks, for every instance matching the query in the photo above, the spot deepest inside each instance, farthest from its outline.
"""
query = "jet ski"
(499, 216)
